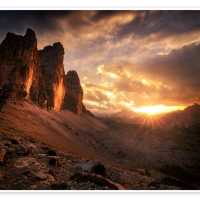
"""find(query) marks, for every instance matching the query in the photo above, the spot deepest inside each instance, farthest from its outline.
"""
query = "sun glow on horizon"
(157, 109)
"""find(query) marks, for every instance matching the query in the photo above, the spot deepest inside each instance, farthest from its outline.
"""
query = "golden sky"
(125, 59)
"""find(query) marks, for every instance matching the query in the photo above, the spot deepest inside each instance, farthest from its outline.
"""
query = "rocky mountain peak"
(52, 74)
(59, 47)
(56, 47)
(30, 33)
(18, 62)
(73, 93)
(38, 75)
(30, 37)
(17, 45)
(72, 79)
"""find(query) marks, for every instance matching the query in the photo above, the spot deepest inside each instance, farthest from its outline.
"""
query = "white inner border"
(99, 4)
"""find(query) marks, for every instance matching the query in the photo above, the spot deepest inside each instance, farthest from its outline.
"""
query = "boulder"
(91, 167)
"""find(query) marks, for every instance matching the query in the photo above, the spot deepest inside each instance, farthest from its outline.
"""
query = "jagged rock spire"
(73, 93)
(38, 75)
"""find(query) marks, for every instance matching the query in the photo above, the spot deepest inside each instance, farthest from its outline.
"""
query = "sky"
(125, 59)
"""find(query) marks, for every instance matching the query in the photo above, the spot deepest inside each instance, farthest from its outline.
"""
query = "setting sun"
(157, 109)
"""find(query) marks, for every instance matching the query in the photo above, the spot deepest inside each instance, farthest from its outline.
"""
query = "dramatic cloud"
(180, 66)
(163, 23)
(125, 59)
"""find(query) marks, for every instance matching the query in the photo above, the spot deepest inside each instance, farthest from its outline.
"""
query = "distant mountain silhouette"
(185, 118)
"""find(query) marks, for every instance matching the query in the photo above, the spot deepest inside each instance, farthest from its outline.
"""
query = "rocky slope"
(26, 163)
(62, 150)
(130, 156)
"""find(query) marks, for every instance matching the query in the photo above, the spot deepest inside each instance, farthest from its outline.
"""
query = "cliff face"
(18, 63)
(38, 75)
(74, 93)
(52, 74)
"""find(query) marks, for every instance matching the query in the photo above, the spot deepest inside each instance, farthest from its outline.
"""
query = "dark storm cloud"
(163, 23)
(42, 21)
(45, 21)
(144, 23)
(182, 65)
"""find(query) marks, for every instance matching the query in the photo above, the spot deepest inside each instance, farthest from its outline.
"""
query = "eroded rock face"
(51, 83)
(73, 93)
(37, 75)
(28, 73)
(18, 62)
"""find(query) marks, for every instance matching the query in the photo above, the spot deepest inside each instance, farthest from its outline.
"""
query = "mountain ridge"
(37, 75)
